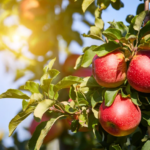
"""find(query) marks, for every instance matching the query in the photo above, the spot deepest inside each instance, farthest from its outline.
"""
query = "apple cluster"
(110, 71)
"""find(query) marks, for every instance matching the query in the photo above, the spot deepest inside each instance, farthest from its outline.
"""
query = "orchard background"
(58, 31)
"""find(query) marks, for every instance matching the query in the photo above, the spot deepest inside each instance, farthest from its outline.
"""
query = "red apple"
(68, 66)
(110, 70)
(54, 132)
(138, 73)
(83, 72)
(33, 13)
(121, 118)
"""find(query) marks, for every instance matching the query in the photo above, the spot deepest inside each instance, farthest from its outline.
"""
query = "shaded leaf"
(112, 34)
(107, 48)
(146, 146)
(135, 98)
(116, 147)
(139, 20)
(96, 97)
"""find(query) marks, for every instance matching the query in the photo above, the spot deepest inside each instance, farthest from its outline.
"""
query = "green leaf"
(110, 95)
(78, 62)
(19, 118)
(103, 4)
(69, 109)
(44, 77)
(120, 26)
(112, 33)
(146, 146)
(53, 73)
(41, 131)
(113, 1)
(95, 33)
(31, 86)
(36, 97)
(24, 104)
(145, 30)
(135, 98)
(139, 20)
(89, 82)
(42, 107)
(116, 147)
(51, 93)
(72, 92)
(99, 23)
(13, 93)
(96, 97)
(86, 4)
(51, 63)
(66, 82)
(88, 56)
(83, 118)
(129, 18)
(95, 112)
(107, 48)
(46, 84)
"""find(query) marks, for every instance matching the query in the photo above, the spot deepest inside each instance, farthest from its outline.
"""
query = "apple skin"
(110, 70)
(121, 118)
(54, 132)
(69, 64)
(33, 13)
(138, 73)
(83, 72)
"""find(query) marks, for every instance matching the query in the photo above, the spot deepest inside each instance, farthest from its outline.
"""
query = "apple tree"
(106, 110)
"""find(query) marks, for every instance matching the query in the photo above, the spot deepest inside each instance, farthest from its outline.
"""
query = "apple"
(83, 72)
(138, 73)
(121, 118)
(110, 70)
(33, 13)
(68, 66)
(54, 132)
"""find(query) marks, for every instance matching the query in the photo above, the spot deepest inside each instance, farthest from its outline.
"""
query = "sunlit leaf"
(13, 93)
(42, 107)
(40, 133)
(31, 86)
(86, 4)
(19, 118)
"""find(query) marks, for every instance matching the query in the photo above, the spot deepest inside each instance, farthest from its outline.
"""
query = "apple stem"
(146, 2)
(147, 18)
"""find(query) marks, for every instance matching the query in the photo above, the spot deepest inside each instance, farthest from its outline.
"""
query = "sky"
(10, 107)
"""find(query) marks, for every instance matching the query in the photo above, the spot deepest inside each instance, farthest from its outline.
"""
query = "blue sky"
(9, 107)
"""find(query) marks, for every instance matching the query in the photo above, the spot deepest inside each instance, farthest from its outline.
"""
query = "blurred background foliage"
(41, 29)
